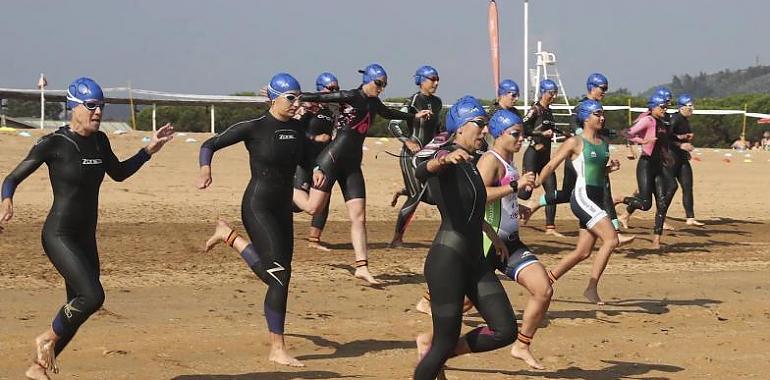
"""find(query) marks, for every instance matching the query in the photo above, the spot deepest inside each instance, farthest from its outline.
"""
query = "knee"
(91, 302)
(582, 255)
(543, 292)
(612, 242)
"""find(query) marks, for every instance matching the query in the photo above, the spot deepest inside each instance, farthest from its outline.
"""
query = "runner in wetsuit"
(507, 95)
(77, 156)
(502, 182)
(422, 132)
(682, 146)
(591, 158)
(540, 126)
(653, 168)
(597, 86)
(274, 142)
(455, 266)
(318, 122)
(341, 160)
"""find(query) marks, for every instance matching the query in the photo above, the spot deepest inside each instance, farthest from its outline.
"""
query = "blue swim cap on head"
(464, 110)
(423, 73)
(588, 107)
(548, 85)
(664, 92)
(372, 72)
(502, 120)
(508, 87)
(324, 80)
(656, 100)
(82, 90)
(596, 80)
(280, 84)
(684, 100)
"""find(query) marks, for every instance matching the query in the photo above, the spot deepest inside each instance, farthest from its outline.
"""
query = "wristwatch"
(514, 185)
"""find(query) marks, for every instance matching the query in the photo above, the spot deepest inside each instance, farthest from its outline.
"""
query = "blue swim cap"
(280, 84)
(586, 108)
(423, 73)
(656, 100)
(372, 72)
(464, 110)
(548, 85)
(596, 80)
(508, 87)
(684, 100)
(664, 92)
(324, 80)
(502, 120)
(82, 90)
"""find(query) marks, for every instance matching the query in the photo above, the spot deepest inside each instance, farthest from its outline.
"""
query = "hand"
(501, 249)
(687, 147)
(548, 133)
(6, 212)
(424, 114)
(160, 138)
(322, 138)
(614, 165)
(319, 178)
(649, 140)
(524, 213)
(263, 91)
(412, 146)
(455, 157)
(527, 180)
(204, 180)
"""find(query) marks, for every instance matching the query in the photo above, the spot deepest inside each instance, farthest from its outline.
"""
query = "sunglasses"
(603, 88)
(515, 134)
(332, 88)
(290, 97)
(380, 83)
(598, 113)
(434, 79)
(479, 122)
(92, 106)
(552, 92)
(663, 106)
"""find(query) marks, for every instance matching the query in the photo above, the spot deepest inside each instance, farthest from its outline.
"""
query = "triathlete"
(682, 146)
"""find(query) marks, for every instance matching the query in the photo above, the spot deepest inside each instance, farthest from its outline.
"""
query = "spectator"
(766, 140)
(741, 144)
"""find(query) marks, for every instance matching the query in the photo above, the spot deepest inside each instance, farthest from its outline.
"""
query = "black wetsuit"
(456, 268)
(76, 167)
(422, 132)
(497, 107)
(341, 160)
(682, 169)
(315, 124)
(275, 149)
(538, 120)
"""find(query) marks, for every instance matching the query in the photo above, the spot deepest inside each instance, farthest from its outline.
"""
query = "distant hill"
(753, 80)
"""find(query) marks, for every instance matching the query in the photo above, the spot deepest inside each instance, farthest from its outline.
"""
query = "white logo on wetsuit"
(92, 161)
(286, 137)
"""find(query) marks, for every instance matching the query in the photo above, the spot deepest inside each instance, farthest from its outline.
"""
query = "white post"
(526, 53)
(212, 119)
(154, 123)
(2, 113)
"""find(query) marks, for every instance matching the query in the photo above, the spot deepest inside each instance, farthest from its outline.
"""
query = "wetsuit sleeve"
(392, 114)
(36, 157)
(395, 127)
(343, 96)
(120, 170)
(232, 135)
(530, 120)
(638, 130)
(421, 172)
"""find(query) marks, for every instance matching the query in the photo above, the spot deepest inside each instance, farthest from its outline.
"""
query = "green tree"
(31, 108)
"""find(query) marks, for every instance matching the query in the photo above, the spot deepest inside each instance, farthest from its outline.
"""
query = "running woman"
(274, 142)
(455, 266)
(682, 146)
(590, 156)
(507, 95)
(540, 126)
(77, 155)
(502, 181)
(341, 160)
(422, 132)
(318, 122)
(653, 171)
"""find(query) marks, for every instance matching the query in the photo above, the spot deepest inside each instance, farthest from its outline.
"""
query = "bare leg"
(604, 230)
(582, 251)
(535, 280)
(357, 213)
(655, 242)
(45, 356)
(314, 240)
(311, 202)
(278, 353)
(424, 341)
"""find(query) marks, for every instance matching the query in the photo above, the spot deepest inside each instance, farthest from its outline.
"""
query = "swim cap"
(324, 80)
(508, 87)
(684, 100)
(656, 100)
(664, 92)
(372, 72)
(464, 110)
(596, 80)
(82, 90)
(280, 84)
(423, 73)
(548, 85)
(502, 120)
(586, 108)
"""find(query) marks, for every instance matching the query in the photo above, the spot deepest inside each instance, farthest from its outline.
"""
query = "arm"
(392, 114)
(35, 158)
(639, 129)
(565, 151)
(120, 170)
(343, 96)
(431, 166)
(490, 173)
(529, 120)
(232, 135)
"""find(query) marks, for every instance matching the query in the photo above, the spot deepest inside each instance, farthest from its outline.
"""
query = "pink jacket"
(643, 129)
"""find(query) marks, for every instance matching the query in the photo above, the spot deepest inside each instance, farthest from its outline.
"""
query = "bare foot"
(655, 245)
(424, 342)
(36, 372)
(592, 295)
(396, 243)
(280, 356)
(46, 356)
(623, 219)
(693, 222)
(317, 245)
(221, 233)
(617, 199)
(423, 306)
(554, 233)
(521, 351)
(668, 227)
(363, 273)
(467, 305)
(623, 239)
(396, 195)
